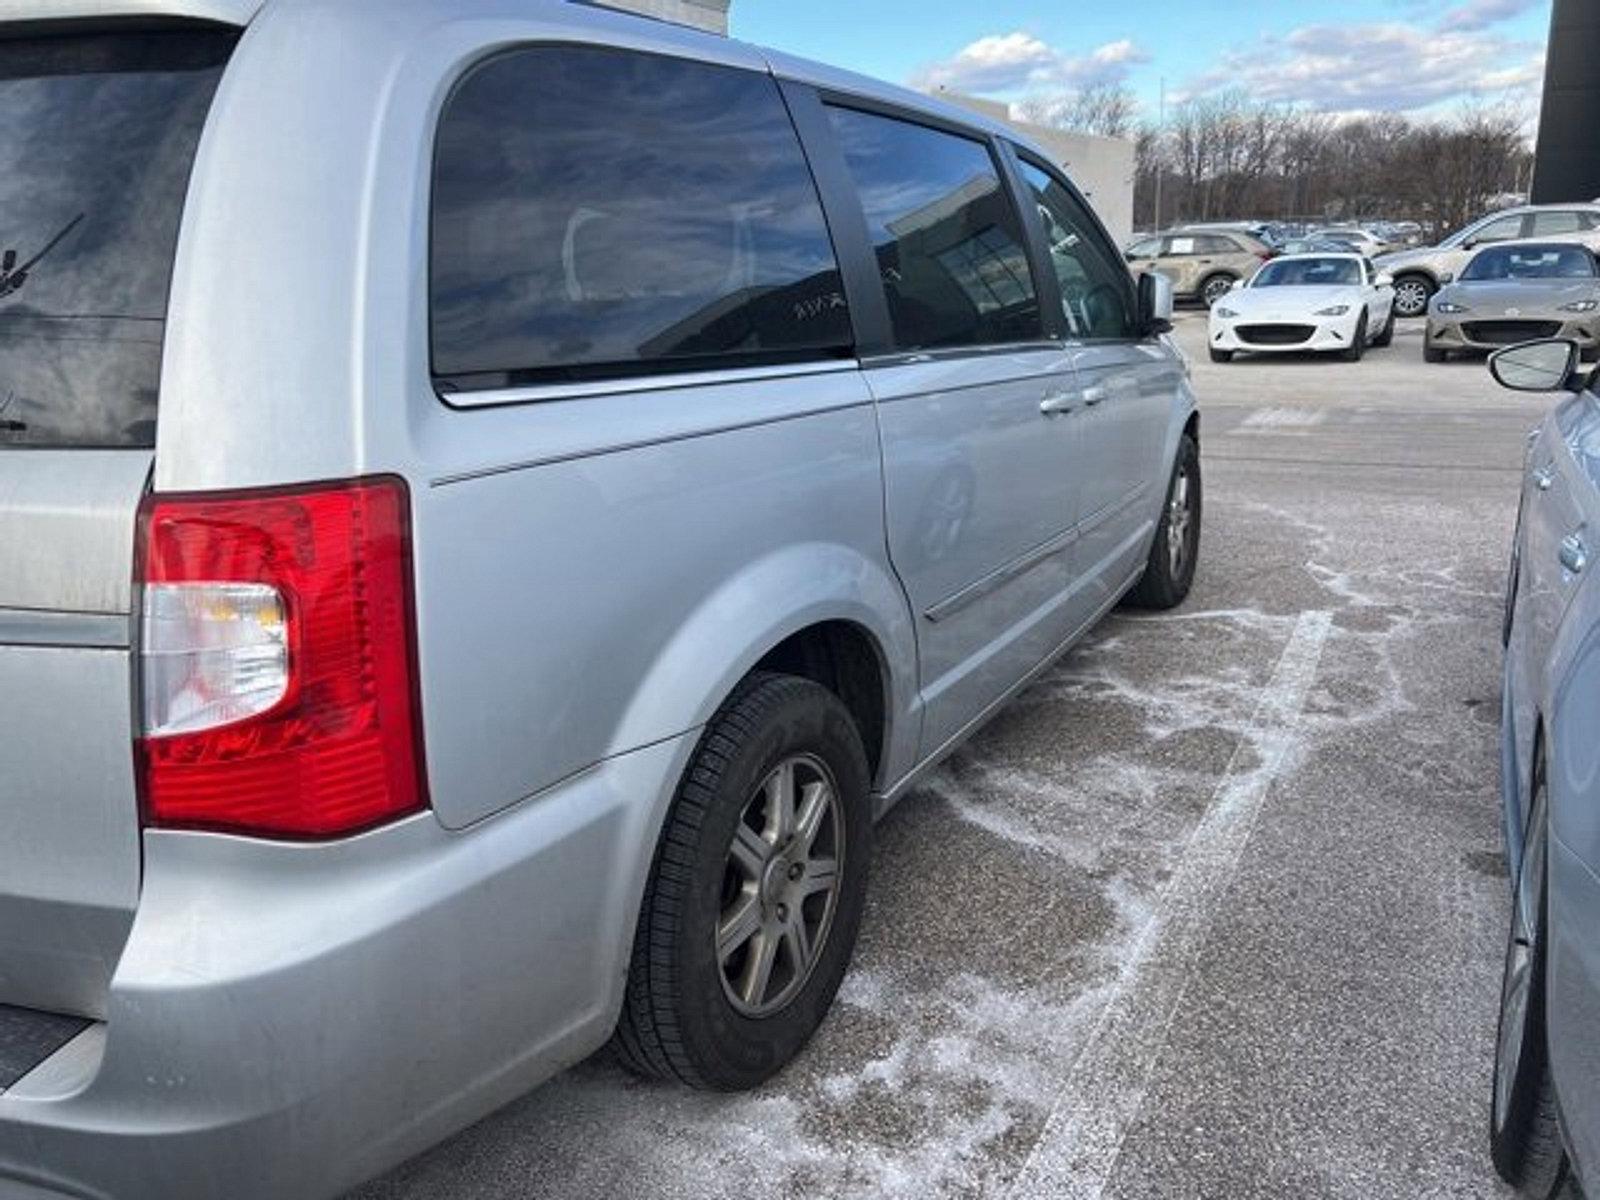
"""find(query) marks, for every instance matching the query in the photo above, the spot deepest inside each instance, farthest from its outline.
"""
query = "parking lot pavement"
(1214, 909)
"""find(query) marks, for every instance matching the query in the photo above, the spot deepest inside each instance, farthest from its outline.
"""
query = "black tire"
(1386, 334)
(1215, 287)
(1221, 356)
(1412, 293)
(1524, 1123)
(1433, 355)
(1358, 344)
(679, 1018)
(1166, 584)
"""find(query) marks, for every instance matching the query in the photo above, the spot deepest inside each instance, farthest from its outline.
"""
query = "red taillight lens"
(277, 660)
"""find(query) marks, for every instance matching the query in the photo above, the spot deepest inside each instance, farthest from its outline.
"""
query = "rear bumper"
(288, 1020)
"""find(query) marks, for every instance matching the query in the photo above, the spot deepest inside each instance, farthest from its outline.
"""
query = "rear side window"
(96, 144)
(601, 213)
(948, 240)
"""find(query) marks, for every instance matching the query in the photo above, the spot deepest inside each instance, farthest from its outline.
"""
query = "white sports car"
(1335, 303)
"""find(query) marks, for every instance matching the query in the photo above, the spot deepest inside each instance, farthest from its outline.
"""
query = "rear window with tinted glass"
(601, 213)
(97, 138)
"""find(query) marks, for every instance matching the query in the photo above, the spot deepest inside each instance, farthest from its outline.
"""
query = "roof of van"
(228, 12)
(691, 42)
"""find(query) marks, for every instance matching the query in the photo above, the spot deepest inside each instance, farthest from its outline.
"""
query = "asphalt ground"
(1213, 910)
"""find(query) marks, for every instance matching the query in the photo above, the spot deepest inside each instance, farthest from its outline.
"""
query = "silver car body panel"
(595, 569)
(224, 12)
(1552, 708)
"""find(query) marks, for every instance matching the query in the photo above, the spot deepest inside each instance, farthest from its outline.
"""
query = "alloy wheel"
(780, 886)
(1411, 298)
(1179, 517)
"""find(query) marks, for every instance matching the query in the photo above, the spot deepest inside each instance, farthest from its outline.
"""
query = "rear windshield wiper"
(12, 276)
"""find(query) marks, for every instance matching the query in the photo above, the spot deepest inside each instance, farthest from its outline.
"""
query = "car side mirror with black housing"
(1155, 304)
(1548, 365)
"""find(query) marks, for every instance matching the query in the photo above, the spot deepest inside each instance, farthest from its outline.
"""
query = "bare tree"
(1103, 109)
(1227, 155)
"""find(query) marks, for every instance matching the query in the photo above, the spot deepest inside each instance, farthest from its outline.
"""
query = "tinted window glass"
(96, 143)
(599, 212)
(1212, 243)
(1546, 223)
(1096, 291)
(1149, 248)
(1500, 231)
(1530, 262)
(948, 241)
(1308, 272)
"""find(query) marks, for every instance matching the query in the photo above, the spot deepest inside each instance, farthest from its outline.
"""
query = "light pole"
(1160, 154)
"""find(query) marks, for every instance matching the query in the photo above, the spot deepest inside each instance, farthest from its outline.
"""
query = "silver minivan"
(496, 496)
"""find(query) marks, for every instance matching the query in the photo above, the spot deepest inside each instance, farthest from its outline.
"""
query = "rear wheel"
(1411, 295)
(1169, 571)
(1524, 1130)
(1214, 288)
(1358, 343)
(1221, 356)
(755, 896)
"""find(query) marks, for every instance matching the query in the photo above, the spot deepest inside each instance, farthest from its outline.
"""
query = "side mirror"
(1470, 244)
(1384, 279)
(1543, 366)
(1155, 303)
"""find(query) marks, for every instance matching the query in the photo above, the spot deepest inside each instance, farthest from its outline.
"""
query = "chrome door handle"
(1543, 478)
(1574, 554)
(1058, 404)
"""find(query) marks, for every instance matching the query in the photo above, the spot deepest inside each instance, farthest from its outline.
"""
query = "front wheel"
(756, 892)
(1411, 295)
(1524, 1129)
(1358, 344)
(1169, 571)
(1386, 334)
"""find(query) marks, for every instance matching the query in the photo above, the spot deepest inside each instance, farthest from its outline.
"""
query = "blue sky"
(1422, 57)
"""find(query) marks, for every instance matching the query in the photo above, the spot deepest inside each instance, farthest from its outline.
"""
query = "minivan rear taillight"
(276, 660)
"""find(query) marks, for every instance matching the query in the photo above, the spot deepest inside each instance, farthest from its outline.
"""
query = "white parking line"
(1277, 419)
(1081, 1139)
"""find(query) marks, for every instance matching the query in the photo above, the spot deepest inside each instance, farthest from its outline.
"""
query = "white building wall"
(1102, 168)
(710, 15)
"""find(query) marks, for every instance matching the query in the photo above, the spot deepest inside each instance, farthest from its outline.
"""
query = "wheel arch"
(823, 611)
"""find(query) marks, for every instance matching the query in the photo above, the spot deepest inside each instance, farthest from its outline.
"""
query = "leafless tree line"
(1229, 156)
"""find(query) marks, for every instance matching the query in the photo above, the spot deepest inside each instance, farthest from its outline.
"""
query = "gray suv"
(495, 499)
(1419, 273)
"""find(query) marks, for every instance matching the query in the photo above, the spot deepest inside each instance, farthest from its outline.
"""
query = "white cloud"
(1480, 14)
(1377, 67)
(1019, 62)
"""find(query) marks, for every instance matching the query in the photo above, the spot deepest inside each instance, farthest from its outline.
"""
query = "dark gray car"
(1514, 293)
